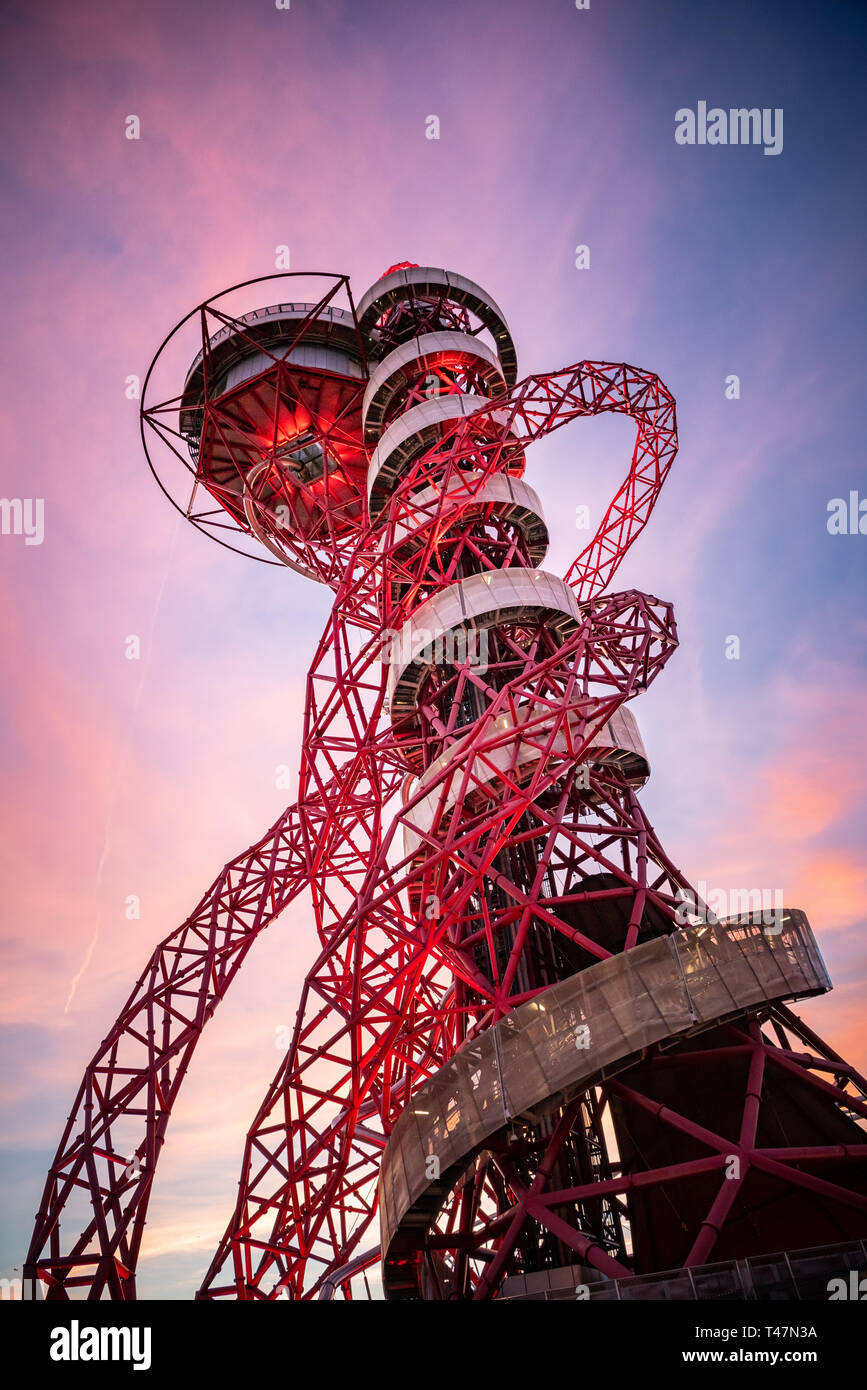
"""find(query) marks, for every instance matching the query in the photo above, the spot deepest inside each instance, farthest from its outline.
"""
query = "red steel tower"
(527, 1060)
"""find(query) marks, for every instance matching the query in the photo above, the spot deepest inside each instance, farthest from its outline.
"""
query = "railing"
(795, 1274)
(582, 1029)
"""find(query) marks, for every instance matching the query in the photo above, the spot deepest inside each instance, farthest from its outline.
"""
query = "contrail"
(109, 820)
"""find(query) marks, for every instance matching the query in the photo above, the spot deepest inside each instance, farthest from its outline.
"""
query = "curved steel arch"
(397, 987)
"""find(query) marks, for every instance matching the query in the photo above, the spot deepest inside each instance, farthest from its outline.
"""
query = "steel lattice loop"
(468, 826)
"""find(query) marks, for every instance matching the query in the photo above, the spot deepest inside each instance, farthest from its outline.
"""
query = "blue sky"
(306, 127)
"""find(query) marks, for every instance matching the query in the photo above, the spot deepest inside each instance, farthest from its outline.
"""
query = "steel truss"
(461, 853)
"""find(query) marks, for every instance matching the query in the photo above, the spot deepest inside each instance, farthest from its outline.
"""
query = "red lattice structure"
(468, 826)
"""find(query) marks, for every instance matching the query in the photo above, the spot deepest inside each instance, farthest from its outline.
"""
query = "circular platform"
(413, 282)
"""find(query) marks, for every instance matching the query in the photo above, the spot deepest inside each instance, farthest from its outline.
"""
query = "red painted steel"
(532, 866)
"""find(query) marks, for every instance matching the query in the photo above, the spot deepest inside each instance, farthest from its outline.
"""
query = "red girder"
(423, 929)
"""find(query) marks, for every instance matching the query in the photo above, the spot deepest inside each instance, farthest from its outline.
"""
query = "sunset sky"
(306, 127)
